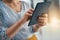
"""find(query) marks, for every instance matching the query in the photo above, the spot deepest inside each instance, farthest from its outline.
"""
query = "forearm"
(15, 28)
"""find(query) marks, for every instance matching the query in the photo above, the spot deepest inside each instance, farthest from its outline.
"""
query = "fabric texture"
(8, 17)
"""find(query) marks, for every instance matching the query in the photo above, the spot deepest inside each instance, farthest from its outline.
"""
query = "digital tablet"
(39, 10)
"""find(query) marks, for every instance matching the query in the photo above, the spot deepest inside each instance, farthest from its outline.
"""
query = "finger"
(31, 9)
(30, 12)
(44, 15)
(41, 24)
(42, 18)
(42, 21)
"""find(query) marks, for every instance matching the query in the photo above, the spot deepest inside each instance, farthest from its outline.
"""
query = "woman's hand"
(42, 20)
(28, 15)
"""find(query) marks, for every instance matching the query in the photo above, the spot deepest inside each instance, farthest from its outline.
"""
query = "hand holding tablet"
(40, 9)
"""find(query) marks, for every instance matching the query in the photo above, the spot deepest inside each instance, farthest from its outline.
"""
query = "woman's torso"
(9, 17)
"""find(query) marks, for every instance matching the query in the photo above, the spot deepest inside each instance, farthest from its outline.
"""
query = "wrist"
(35, 28)
(23, 20)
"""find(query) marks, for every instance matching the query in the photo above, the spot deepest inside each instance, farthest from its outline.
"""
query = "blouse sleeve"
(3, 35)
